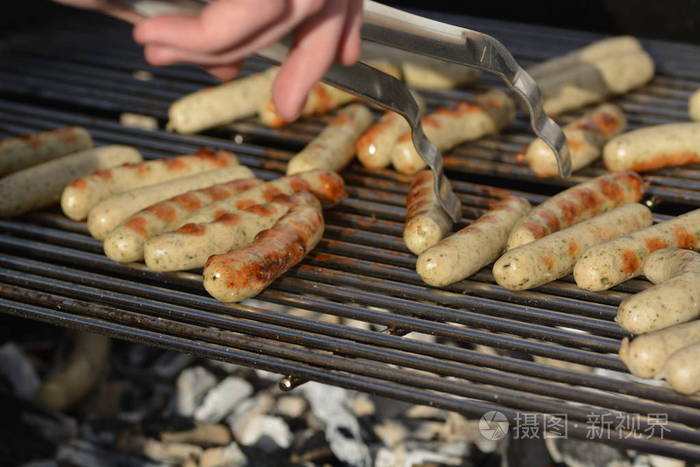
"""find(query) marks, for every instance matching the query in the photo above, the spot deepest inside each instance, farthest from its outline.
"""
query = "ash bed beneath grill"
(340, 317)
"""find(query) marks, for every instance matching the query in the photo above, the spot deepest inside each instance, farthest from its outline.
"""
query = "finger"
(316, 43)
(349, 50)
(225, 72)
(223, 24)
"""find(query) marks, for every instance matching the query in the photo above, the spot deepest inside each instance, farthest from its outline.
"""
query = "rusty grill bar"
(354, 313)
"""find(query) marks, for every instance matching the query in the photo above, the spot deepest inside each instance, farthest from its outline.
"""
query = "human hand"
(227, 31)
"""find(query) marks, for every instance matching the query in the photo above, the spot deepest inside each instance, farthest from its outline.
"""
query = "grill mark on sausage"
(163, 211)
(79, 184)
(666, 160)
(684, 239)
(106, 174)
(137, 224)
(653, 244)
(630, 262)
(189, 201)
(192, 229)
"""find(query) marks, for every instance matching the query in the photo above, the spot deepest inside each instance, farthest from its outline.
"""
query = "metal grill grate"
(355, 313)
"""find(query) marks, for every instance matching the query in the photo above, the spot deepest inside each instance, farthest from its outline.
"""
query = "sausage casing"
(591, 53)
(654, 147)
(465, 252)
(667, 263)
(84, 193)
(587, 83)
(192, 244)
(616, 261)
(577, 204)
(221, 104)
(125, 244)
(674, 300)
(334, 147)
(449, 126)
(426, 221)
(554, 256)
(41, 185)
(244, 273)
(327, 186)
(694, 106)
(645, 355)
(111, 212)
(585, 136)
(27, 150)
(682, 371)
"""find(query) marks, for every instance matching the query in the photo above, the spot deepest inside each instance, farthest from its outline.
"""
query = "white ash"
(192, 384)
(222, 399)
(247, 410)
(648, 460)
(342, 429)
(267, 433)
(16, 368)
(291, 406)
(268, 375)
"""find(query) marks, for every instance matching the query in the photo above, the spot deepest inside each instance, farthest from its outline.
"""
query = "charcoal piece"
(227, 456)
(102, 430)
(170, 363)
(83, 454)
(291, 406)
(16, 368)
(222, 399)
(391, 432)
(330, 404)
(171, 452)
(41, 463)
(525, 452)
(267, 433)
(152, 427)
(586, 453)
(310, 446)
(192, 384)
(202, 434)
(247, 410)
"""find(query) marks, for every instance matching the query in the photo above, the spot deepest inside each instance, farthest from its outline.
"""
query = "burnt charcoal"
(526, 452)
(584, 453)
(83, 454)
(171, 363)
(227, 456)
(247, 410)
(267, 433)
(30, 431)
(203, 434)
(312, 446)
(41, 463)
(103, 430)
(18, 371)
(154, 426)
(222, 399)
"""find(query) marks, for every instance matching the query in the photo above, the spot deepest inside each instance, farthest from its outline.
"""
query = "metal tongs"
(419, 35)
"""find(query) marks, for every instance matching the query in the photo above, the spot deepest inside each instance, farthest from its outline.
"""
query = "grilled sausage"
(577, 204)
(108, 214)
(587, 83)
(463, 253)
(84, 193)
(28, 150)
(322, 98)
(554, 256)
(244, 273)
(375, 145)
(328, 187)
(591, 53)
(694, 106)
(682, 371)
(654, 147)
(611, 263)
(421, 71)
(426, 222)
(41, 185)
(125, 244)
(192, 244)
(667, 263)
(334, 147)
(447, 127)
(645, 356)
(585, 136)
(674, 300)
(221, 104)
